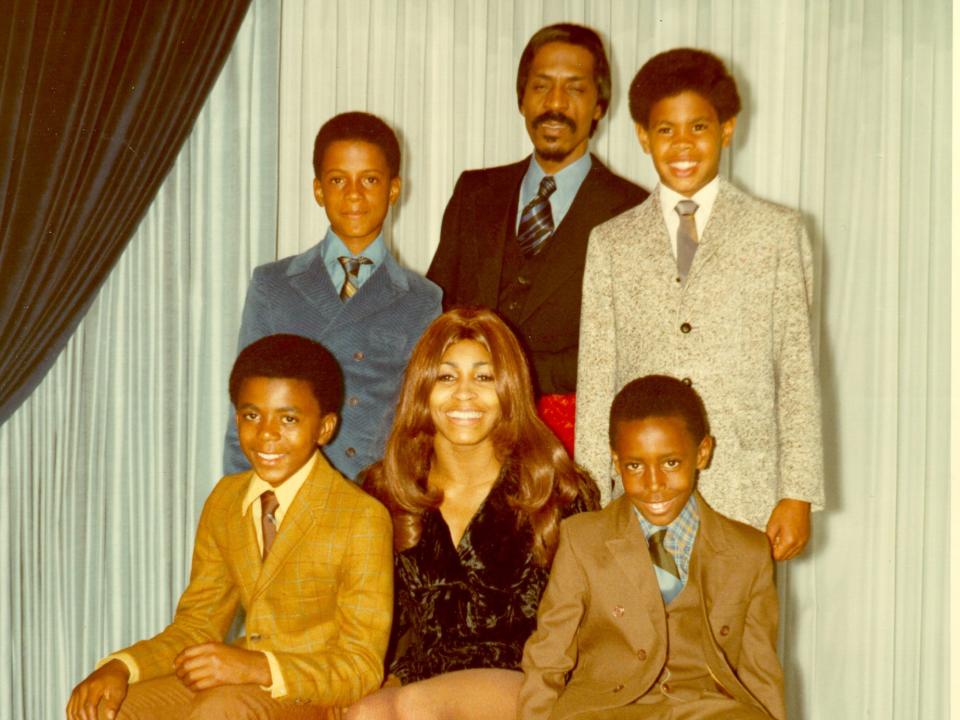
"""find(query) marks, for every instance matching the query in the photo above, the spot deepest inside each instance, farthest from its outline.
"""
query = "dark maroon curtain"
(96, 99)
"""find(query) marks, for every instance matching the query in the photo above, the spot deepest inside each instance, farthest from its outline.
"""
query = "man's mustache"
(551, 116)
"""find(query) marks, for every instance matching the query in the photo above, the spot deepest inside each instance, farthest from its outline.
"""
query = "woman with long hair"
(476, 485)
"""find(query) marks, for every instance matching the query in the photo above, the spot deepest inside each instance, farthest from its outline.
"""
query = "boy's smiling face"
(356, 190)
(280, 424)
(658, 460)
(684, 137)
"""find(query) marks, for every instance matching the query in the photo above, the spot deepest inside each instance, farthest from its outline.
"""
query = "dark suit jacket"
(477, 223)
(371, 336)
(602, 618)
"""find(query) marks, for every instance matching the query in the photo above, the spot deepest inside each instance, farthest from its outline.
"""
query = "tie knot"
(547, 186)
(269, 503)
(352, 264)
(686, 207)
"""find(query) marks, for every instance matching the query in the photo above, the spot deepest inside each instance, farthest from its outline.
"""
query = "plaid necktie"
(268, 519)
(351, 268)
(536, 222)
(686, 236)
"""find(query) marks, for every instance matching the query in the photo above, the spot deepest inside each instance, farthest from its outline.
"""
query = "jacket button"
(685, 328)
(523, 280)
(350, 452)
(665, 688)
(618, 688)
(617, 611)
(641, 654)
(354, 401)
(725, 630)
(513, 307)
(358, 355)
(687, 381)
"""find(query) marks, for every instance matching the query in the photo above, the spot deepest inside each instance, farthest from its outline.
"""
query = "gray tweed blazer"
(738, 329)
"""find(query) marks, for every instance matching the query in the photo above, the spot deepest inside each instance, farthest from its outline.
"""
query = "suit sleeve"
(759, 667)
(551, 651)
(254, 324)
(596, 365)
(444, 269)
(798, 401)
(206, 608)
(352, 666)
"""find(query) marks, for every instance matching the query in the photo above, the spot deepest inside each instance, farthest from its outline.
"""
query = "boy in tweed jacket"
(733, 321)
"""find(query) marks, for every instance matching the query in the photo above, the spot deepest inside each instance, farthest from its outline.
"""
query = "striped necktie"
(536, 222)
(686, 236)
(351, 268)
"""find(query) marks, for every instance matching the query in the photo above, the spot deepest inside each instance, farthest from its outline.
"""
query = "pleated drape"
(97, 99)
(846, 117)
(104, 468)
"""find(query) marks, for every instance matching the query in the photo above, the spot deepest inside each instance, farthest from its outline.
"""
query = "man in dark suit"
(514, 238)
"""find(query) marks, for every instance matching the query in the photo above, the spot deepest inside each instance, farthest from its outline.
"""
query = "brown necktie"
(661, 556)
(268, 520)
(686, 236)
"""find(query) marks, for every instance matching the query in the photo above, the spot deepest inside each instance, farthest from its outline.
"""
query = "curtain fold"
(97, 99)
(105, 466)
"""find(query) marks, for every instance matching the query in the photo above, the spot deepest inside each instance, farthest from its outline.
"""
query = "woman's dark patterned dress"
(472, 606)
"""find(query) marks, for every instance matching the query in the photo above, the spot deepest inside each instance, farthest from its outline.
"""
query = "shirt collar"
(333, 248)
(568, 180)
(285, 492)
(689, 516)
(704, 198)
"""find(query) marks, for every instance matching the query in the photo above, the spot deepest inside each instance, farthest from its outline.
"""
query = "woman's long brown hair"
(547, 478)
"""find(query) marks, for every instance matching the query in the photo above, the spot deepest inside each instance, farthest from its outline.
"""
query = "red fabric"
(559, 413)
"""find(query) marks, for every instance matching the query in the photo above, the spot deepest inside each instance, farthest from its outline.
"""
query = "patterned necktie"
(686, 236)
(268, 519)
(536, 222)
(351, 269)
(661, 556)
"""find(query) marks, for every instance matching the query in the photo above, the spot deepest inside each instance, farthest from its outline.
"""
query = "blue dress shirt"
(568, 182)
(332, 248)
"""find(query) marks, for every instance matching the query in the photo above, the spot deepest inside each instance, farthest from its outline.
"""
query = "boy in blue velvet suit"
(347, 292)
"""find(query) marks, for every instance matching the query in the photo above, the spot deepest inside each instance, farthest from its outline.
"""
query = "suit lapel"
(726, 209)
(381, 290)
(296, 523)
(498, 203)
(629, 549)
(314, 285)
(242, 538)
(716, 568)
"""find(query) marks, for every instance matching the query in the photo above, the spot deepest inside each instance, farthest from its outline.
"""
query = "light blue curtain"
(846, 117)
(104, 469)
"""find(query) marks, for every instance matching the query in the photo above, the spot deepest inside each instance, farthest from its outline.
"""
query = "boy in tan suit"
(657, 606)
(709, 284)
(307, 554)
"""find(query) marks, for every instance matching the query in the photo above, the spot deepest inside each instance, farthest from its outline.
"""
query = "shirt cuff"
(126, 659)
(277, 687)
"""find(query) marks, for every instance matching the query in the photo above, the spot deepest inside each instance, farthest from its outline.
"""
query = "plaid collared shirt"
(681, 534)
